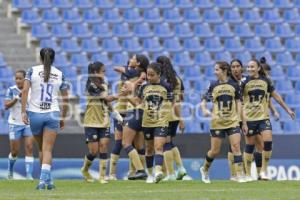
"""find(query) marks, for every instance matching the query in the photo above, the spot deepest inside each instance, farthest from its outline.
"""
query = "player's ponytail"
(167, 70)
(93, 69)
(224, 66)
(156, 67)
(143, 60)
(264, 64)
(47, 57)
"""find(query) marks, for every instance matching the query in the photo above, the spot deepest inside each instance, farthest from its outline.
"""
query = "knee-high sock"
(134, 156)
(258, 161)
(248, 158)
(45, 174)
(11, 162)
(238, 164)
(230, 158)
(207, 162)
(88, 161)
(142, 157)
(113, 164)
(159, 159)
(176, 155)
(29, 166)
(168, 158)
(266, 155)
(149, 164)
(102, 165)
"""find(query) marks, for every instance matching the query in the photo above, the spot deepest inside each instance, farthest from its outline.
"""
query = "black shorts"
(119, 125)
(151, 132)
(95, 134)
(221, 133)
(134, 119)
(256, 127)
(173, 128)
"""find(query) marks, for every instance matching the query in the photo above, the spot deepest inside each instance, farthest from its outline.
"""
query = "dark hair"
(21, 71)
(264, 64)
(156, 67)
(262, 71)
(94, 68)
(167, 70)
(236, 60)
(47, 56)
(224, 66)
(143, 60)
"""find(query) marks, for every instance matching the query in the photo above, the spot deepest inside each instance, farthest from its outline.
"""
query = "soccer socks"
(266, 155)
(102, 166)
(159, 159)
(230, 158)
(142, 157)
(238, 164)
(248, 158)
(88, 161)
(11, 162)
(207, 163)
(176, 156)
(168, 158)
(29, 167)
(131, 170)
(258, 161)
(114, 157)
(45, 176)
(149, 164)
(134, 156)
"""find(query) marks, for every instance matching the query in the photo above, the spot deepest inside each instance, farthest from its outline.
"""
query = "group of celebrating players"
(146, 116)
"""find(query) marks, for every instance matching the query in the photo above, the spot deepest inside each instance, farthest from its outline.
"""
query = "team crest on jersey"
(268, 122)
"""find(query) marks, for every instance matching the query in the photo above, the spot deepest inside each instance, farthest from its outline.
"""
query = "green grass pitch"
(139, 190)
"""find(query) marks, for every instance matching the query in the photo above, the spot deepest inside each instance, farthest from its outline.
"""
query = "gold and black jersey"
(223, 97)
(256, 96)
(97, 111)
(177, 93)
(156, 100)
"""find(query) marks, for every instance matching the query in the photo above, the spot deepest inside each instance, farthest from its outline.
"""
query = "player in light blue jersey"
(17, 128)
(43, 113)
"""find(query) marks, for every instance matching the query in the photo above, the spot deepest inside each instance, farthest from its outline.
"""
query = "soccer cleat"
(248, 179)
(102, 181)
(51, 187)
(241, 179)
(112, 177)
(41, 186)
(204, 175)
(264, 176)
(87, 176)
(171, 177)
(29, 177)
(150, 179)
(139, 175)
(158, 177)
(180, 173)
(233, 178)
(10, 175)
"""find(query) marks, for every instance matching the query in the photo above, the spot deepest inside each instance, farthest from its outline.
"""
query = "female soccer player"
(97, 121)
(171, 151)
(256, 91)
(17, 128)
(45, 82)
(225, 95)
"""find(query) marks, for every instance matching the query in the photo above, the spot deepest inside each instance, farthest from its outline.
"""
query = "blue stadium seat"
(297, 3)
(120, 59)
(291, 16)
(30, 16)
(111, 45)
(272, 16)
(21, 4)
(60, 31)
(292, 45)
(297, 111)
(224, 56)
(293, 100)
(276, 127)
(4, 127)
(243, 4)
(297, 87)
(61, 61)
(203, 30)
(204, 59)
(183, 59)
(192, 16)
(142, 30)
(263, 30)
(101, 57)
(71, 16)
(92, 16)
(253, 45)
(51, 17)
(224, 4)
(223, 30)
(2, 61)
(152, 16)
(62, 4)
(209, 73)
(183, 30)
(213, 44)
(83, 4)
(192, 73)
(293, 73)
(103, 4)
(268, 57)
(50, 43)
(273, 45)
(285, 59)
(233, 45)
(201, 86)
(283, 4)
(244, 56)
(297, 30)
(132, 16)
(284, 87)
(79, 60)
(143, 4)
(152, 45)
(192, 44)
(163, 30)
(264, 4)
(70, 46)
(184, 4)
(203, 4)
(42, 4)
(40, 31)
(121, 30)
(212, 16)
(252, 16)
(90, 46)
(112, 16)
(132, 45)
(81, 31)
(172, 16)
(172, 45)
(163, 4)
(102, 30)
(123, 4)
(232, 16)
(243, 30)
(291, 127)
(277, 73)
(283, 31)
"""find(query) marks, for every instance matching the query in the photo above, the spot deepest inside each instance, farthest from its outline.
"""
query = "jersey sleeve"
(181, 85)
(9, 94)
(28, 74)
(64, 85)
(208, 94)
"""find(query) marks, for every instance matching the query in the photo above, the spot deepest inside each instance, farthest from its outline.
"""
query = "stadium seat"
(71, 16)
(203, 30)
(92, 16)
(103, 4)
(192, 73)
(132, 16)
(120, 59)
(232, 16)
(41, 4)
(264, 4)
(81, 31)
(291, 16)
(277, 73)
(297, 111)
(61, 61)
(152, 16)
(70, 46)
(285, 59)
(293, 73)
(184, 4)
(30, 17)
(233, 45)
(273, 45)
(204, 59)
(252, 16)
(243, 30)
(284, 87)
(60, 31)
(272, 16)
(253, 45)
(213, 44)
(132, 45)
(283, 4)
(163, 4)
(203, 4)
(223, 30)
(291, 127)
(293, 100)
(22, 4)
(79, 60)
(142, 30)
(201, 86)
(209, 73)
(243, 4)
(111, 45)
(183, 59)
(101, 57)
(263, 30)
(292, 45)
(283, 31)
(172, 45)
(62, 4)
(121, 30)
(223, 56)
(123, 4)
(143, 4)
(51, 44)
(4, 127)
(102, 30)
(244, 56)
(276, 127)
(2, 61)
(83, 4)
(212, 16)
(183, 30)
(163, 30)
(224, 4)
(40, 31)
(51, 17)
(152, 45)
(192, 16)
(192, 44)
(297, 87)
(172, 16)
(112, 16)
(268, 57)
(90, 46)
